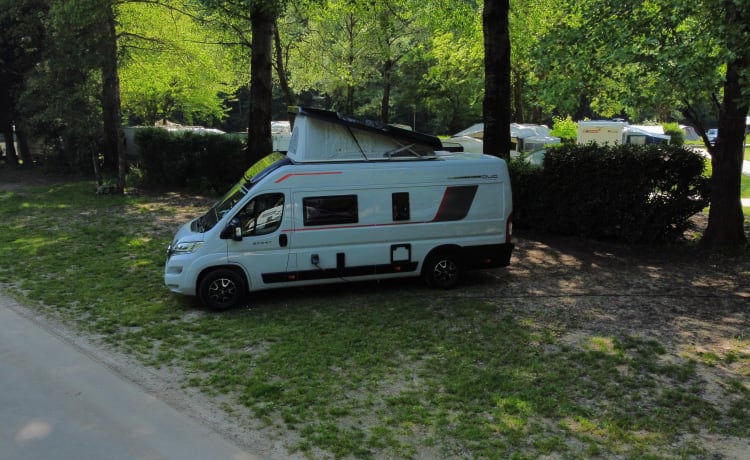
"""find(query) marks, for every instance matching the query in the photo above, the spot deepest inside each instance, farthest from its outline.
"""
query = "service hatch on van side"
(348, 202)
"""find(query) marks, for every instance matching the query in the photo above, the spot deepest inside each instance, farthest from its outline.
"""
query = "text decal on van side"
(483, 176)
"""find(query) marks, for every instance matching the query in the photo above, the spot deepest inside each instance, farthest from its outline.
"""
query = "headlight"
(185, 247)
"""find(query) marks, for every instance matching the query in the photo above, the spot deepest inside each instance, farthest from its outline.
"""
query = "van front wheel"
(442, 270)
(222, 289)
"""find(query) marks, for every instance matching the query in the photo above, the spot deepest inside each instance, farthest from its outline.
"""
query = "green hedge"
(196, 161)
(631, 193)
(675, 133)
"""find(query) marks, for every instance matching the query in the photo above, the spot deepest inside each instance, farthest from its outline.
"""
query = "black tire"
(222, 289)
(442, 270)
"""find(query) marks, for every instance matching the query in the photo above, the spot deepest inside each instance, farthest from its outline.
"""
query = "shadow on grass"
(578, 349)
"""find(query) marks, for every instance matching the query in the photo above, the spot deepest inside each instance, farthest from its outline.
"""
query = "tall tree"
(111, 107)
(333, 59)
(451, 86)
(260, 16)
(396, 32)
(725, 219)
(81, 50)
(683, 53)
(259, 140)
(529, 22)
(497, 78)
(174, 64)
(21, 42)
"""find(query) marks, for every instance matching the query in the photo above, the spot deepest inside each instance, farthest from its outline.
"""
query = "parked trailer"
(601, 132)
(619, 132)
(311, 218)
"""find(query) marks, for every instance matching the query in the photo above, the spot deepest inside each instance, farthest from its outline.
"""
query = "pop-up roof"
(320, 135)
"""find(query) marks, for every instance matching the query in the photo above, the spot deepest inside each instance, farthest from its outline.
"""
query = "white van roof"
(321, 135)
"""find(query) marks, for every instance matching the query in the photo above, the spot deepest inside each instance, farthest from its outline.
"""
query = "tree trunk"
(725, 229)
(6, 126)
(349, 104)
(281, 72)
(10, 146)
(114, 153)
(259, 140)
(23, 147)
(385, 104)
(517, 115)
(281, 68)
(497, 78)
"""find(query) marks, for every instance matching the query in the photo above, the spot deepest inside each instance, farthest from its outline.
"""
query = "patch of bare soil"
(696, 307)
(17, 177)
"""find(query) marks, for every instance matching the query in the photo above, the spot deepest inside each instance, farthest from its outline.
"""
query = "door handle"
(283, 240)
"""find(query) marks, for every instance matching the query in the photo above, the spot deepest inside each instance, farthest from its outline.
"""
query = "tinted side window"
(330, 210)
(400, 203)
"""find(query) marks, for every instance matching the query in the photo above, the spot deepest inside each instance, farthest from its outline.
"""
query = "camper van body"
(302, 223)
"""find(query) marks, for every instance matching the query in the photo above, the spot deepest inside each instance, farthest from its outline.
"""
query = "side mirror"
(233, 230)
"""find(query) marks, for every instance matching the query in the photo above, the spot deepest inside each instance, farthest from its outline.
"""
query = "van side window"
(400, 202)
(262, 214)
(330, 210)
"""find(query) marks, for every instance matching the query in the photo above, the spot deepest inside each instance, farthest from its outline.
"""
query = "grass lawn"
(366, 372)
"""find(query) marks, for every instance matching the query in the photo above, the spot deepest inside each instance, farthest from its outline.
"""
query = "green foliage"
(200, 162)
(169, 70)
(61, 102)
(453, 86)
(529, 22)
(527, 183)
(21, 42)
(677, 135)
(427, 56)
(636, 194)
(565, 128)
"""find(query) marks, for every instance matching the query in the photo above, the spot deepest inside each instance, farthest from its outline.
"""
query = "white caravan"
(619, 132)
(601, 132)
(349, 201)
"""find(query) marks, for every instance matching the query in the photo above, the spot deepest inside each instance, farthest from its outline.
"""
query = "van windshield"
(251, 177)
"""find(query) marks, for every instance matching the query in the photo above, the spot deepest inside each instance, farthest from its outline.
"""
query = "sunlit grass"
(362, 370)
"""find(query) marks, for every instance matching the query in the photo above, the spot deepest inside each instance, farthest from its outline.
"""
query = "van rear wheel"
(222, 289)
(442, 270)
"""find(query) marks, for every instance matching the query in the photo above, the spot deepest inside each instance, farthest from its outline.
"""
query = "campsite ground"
(696, 307)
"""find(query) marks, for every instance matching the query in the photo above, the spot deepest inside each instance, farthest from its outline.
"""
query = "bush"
(631, 193)
(565, 128)
(673, 130)
(199, 162)
(526, 183)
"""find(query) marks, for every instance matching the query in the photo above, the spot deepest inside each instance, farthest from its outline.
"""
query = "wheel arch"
(452, 249)
(235, 268)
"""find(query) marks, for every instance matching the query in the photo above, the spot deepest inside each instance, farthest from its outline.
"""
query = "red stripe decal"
(322, 173)
(340, 227)
(455, 203)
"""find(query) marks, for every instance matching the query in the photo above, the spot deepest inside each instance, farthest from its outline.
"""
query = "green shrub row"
(195, 161)
(631, 193)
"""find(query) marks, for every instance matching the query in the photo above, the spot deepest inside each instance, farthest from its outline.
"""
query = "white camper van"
(349, 201)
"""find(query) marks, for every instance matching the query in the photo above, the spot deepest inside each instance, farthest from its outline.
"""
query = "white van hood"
(186, 234)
